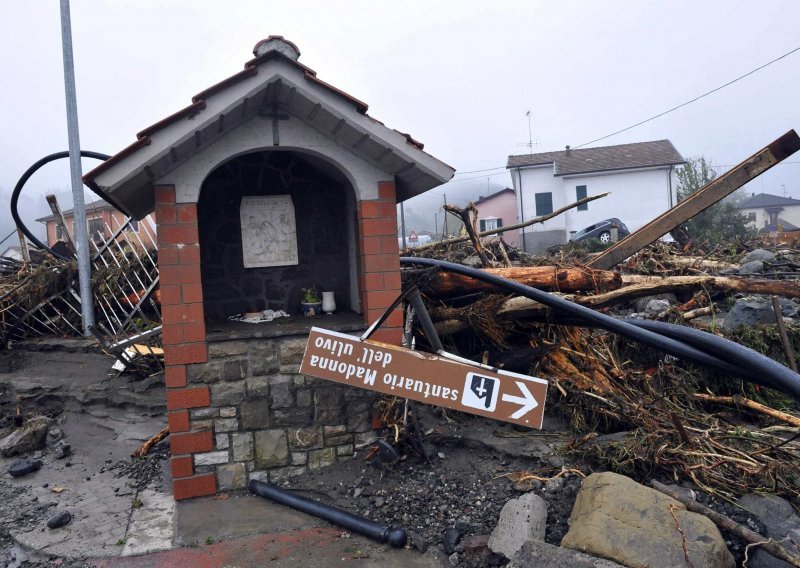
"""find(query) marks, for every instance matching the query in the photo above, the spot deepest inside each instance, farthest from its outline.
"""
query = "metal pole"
(79, 217)
(403, 224)
(444, 222)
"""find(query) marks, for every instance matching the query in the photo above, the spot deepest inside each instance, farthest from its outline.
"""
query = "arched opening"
(324, 211)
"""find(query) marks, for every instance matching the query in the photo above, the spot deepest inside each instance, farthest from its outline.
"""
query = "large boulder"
(522, 519)
(758, 254)
(757, 309)
(543, 555)
(27, 438)
(781, 523)
(616, 518)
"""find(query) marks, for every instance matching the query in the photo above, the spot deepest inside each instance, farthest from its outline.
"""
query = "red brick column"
(379, 277)
(184, 338)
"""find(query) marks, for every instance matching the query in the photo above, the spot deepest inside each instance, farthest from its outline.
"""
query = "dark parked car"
(601, 231)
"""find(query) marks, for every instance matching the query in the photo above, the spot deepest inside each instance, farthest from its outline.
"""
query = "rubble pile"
(632, 409)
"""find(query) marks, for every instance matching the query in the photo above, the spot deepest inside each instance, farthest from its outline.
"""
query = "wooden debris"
(737, 400)
(721, 187)
(144, 449)
(469, 215)
(787, 345)
(730, 525)
(442, 284)
(533, 221)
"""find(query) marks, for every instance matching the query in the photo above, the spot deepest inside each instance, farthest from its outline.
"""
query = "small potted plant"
(311, 304)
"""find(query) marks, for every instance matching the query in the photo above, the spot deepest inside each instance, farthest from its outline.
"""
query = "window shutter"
(544, 203)
(581, 193)
(483, 225)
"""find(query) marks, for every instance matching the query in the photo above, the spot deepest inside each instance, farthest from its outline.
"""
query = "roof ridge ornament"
(277, 43)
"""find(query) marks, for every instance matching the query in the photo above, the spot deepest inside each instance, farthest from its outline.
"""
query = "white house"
(771, 212)
(640, 178)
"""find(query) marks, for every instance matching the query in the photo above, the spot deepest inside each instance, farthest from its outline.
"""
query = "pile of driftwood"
(633, 409)
(40, 297)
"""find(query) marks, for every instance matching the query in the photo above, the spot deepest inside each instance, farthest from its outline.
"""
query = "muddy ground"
(457, 493)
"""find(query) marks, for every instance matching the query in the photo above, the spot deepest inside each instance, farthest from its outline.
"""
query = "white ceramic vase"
(328, 303)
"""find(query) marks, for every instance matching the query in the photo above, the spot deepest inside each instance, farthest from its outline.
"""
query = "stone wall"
(267, 419)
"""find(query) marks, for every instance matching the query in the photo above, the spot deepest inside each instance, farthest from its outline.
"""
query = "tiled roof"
(761, 200)
(98, 204)
(606, 158)
(199, 103)
(493, 195)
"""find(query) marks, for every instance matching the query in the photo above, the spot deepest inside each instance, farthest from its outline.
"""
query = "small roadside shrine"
(270, 182)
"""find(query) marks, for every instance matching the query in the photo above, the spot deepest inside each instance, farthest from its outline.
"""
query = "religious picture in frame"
(269, 235)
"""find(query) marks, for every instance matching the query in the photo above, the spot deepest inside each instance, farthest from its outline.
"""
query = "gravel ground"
(146, 472)
(460, 492)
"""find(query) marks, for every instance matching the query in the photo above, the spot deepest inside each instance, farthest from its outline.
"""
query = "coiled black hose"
(696, 346)
(24, 179)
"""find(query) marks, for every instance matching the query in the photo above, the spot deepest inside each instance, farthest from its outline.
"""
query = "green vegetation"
(720, 224)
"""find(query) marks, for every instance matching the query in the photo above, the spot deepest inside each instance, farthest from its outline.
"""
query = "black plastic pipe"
(372, 529)
(23, 180)
(745, 363)
(781, 377)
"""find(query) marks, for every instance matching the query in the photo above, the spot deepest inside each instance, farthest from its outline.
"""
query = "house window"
(580, 193)
(751, 216)
(60, 236)
(96, 231)
(133, 225)
(544, 203)
(490, 224)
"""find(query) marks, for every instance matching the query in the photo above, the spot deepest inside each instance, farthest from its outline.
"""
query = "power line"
(788, 53)
(478, 177)
(479, 171)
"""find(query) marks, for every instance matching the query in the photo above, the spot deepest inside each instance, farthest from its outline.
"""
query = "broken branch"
(533, 221)
(144, 449)
(737, 400)
(729, 524)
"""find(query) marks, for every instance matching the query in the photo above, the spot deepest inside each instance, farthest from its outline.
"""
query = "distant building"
(12, 252)
(414, 240)
(102, 220)
(498, 210)
(640, 178)
(767, 212)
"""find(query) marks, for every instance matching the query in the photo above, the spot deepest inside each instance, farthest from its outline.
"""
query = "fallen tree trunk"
(442, 284)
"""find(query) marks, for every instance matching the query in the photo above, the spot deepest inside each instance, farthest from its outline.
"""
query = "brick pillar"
(379, 277)
(184, 338)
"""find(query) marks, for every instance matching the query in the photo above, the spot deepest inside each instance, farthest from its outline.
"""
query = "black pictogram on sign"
(480, 392)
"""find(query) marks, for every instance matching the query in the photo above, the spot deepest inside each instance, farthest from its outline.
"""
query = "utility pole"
(79, 229)
(403, 223)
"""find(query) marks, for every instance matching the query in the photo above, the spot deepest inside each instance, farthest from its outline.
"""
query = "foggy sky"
(457, 75)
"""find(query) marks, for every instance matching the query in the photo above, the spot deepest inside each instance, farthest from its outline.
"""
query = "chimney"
(567, 149)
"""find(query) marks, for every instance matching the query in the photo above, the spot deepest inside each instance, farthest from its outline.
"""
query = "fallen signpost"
(424, 377)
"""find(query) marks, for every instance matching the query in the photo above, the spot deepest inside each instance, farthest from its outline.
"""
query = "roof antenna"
(530, 143)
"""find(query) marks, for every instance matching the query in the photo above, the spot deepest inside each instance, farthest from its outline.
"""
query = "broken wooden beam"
(705, 197)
